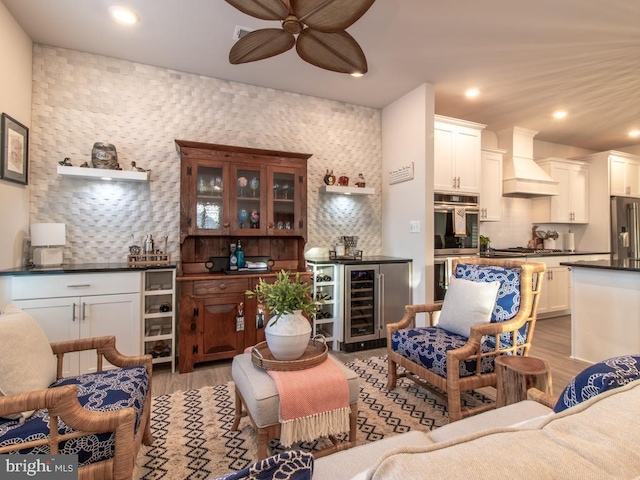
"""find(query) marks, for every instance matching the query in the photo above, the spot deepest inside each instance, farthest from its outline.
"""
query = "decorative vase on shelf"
(104, 155)
(289, 336)
(329, 178)
(243, 217)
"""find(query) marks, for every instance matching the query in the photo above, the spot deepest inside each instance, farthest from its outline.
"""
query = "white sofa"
(598, 439)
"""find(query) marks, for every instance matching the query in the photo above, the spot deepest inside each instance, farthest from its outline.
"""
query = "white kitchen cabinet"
(73, 306)
(624, 176)
(491, 185)
(572, 203)
(555, 298)
(457, 145)
(158, 315)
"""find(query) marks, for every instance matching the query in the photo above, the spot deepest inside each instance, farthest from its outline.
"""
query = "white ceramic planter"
(289, 337)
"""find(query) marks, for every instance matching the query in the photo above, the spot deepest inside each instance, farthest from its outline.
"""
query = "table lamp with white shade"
(48, 238)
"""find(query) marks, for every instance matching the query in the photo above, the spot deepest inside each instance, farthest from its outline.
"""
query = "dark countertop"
(541, 254)
(625, 265)
(351, 261)
(81, 268)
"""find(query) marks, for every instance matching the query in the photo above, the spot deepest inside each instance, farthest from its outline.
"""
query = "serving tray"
(315, 353)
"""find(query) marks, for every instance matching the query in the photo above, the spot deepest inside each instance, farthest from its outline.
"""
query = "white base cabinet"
(555, 298)
(73, 306)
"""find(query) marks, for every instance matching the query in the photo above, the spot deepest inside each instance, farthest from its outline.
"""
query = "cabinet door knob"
(223, 286)
(225, 224)
(454, 182)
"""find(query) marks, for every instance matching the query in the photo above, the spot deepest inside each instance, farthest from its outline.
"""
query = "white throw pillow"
(26, 357)
(467, 303)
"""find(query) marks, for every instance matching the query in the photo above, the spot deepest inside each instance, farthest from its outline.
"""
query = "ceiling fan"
(320, 28)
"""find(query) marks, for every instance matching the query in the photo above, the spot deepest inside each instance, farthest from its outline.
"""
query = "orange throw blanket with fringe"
(313, 402)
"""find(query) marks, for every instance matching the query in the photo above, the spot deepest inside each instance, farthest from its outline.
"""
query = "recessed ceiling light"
(634, 133)
(472, 92)
(124, 15)
(559, 114)
(357, 74)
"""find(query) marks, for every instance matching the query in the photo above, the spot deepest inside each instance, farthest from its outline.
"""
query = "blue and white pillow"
(508, 301)
(600, 377)
(290, 465)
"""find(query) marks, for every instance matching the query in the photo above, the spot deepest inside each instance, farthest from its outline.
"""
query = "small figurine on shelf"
(329, 178)
(343, 181)
(135, 168)
(360, 182)
(242, 182)
(255, 219)
(85, 165)
(66, 162)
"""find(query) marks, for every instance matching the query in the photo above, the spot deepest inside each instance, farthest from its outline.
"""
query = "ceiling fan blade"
(336, 51)
(260, 44)
(263, 9)
(329, 15)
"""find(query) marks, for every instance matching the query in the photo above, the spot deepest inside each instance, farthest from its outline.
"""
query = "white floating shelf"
(103, 173)
(347, 190)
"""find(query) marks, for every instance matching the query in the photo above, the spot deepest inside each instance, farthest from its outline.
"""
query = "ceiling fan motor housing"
(292, 25)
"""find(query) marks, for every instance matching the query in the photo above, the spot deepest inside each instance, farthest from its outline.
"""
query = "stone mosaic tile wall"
(81, 98)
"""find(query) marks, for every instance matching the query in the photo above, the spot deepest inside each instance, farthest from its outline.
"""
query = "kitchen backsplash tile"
(515, 228)
(81, 98)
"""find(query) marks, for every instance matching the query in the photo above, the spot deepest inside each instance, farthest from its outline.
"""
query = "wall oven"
(456, 223)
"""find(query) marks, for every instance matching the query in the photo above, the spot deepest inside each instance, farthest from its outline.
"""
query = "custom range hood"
(522, 177)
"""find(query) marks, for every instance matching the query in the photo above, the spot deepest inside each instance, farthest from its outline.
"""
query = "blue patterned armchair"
(103, 417)
(449, 363)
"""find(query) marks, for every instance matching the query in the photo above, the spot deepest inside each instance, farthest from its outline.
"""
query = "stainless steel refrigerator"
(374, 295)
(625, 228)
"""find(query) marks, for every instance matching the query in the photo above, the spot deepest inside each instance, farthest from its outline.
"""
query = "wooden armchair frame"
(62, 403)
(531, 276)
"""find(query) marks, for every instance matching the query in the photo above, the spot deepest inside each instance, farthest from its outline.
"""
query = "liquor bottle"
(240, 255)
(233, 259)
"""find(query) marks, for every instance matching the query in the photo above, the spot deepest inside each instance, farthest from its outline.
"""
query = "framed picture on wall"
(14, 141)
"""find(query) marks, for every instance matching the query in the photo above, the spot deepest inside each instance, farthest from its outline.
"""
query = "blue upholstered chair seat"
(101, 391)
(428, 346)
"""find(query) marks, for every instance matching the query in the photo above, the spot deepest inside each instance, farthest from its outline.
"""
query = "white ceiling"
(528, 58)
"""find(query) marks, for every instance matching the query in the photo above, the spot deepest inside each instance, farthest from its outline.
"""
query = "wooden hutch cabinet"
(230, 194)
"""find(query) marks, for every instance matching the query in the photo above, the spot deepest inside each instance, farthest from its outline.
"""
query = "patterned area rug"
(193, 429)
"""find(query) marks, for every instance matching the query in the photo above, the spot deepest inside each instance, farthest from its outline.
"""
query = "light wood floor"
(552, 342)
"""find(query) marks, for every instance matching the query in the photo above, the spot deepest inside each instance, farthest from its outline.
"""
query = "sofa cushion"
(467, 303)
(506, 416)
(292, 465)
(428, 346)
(26, 357)
(591, 440)
(600, 377)
(347, 463)
(101, 391)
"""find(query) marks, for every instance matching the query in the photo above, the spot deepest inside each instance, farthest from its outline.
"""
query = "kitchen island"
(605, 311)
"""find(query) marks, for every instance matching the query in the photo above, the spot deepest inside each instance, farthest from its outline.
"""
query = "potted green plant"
(484, 243)
(288, 331)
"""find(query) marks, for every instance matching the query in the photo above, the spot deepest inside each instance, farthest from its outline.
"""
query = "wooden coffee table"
(515, 375)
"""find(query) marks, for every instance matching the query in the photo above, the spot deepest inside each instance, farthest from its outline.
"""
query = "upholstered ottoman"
(256, 392)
